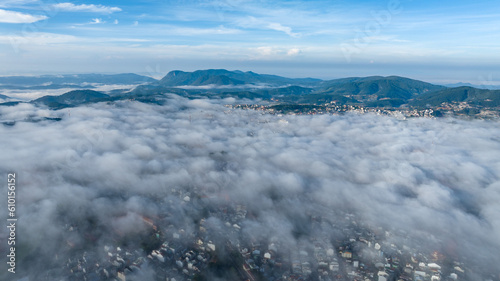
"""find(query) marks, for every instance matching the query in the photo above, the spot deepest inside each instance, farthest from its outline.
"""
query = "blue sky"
(437, 41)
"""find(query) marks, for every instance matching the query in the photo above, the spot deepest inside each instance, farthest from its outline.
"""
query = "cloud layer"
(437, 180)
(7, 16)
(87, 8)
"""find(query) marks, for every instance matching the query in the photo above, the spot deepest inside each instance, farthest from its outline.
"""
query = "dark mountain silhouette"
(73, 98)
(482, 97)
(378, 87)
(226, 77)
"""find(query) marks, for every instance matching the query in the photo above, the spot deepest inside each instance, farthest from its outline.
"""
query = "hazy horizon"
(482, 81)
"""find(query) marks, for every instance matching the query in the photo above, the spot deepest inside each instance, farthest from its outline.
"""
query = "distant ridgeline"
(370, 92)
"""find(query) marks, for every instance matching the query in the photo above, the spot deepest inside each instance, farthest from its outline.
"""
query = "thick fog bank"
(102, 168)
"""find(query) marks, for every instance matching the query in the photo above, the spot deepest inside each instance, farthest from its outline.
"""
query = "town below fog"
(445, 110)
(334, 245)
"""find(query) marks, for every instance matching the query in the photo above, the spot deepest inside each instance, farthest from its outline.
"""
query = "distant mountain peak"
(225, 77)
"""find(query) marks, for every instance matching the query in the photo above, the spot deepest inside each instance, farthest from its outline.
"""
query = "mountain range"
(473, 96)
(222, 77)
(373, 91)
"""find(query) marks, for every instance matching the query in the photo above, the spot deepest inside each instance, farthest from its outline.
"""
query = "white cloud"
(252, 22)
(96, 21)
(293, 52)
(275, 52)
(116, 22)
(280, 27)
(28, 95)
(267, 51)
(54, 43)
(87, 8)
(39, 38)
(17, 17)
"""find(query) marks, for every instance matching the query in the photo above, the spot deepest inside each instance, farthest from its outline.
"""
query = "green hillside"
(480, 97)
(72, 98)
(377, 87)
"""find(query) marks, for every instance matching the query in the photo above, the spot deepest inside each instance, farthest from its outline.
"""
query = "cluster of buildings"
(112, 263)
(446, 109)
(336, 245)
(398, 113)
(466, 109)
(331, 108)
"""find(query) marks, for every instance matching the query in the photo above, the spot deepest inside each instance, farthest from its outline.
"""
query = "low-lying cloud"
(104, 167)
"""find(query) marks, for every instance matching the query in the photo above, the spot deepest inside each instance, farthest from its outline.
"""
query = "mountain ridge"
(480, 97)
(371, 91)
(181, 78)
(395, 90)
(72, 98)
